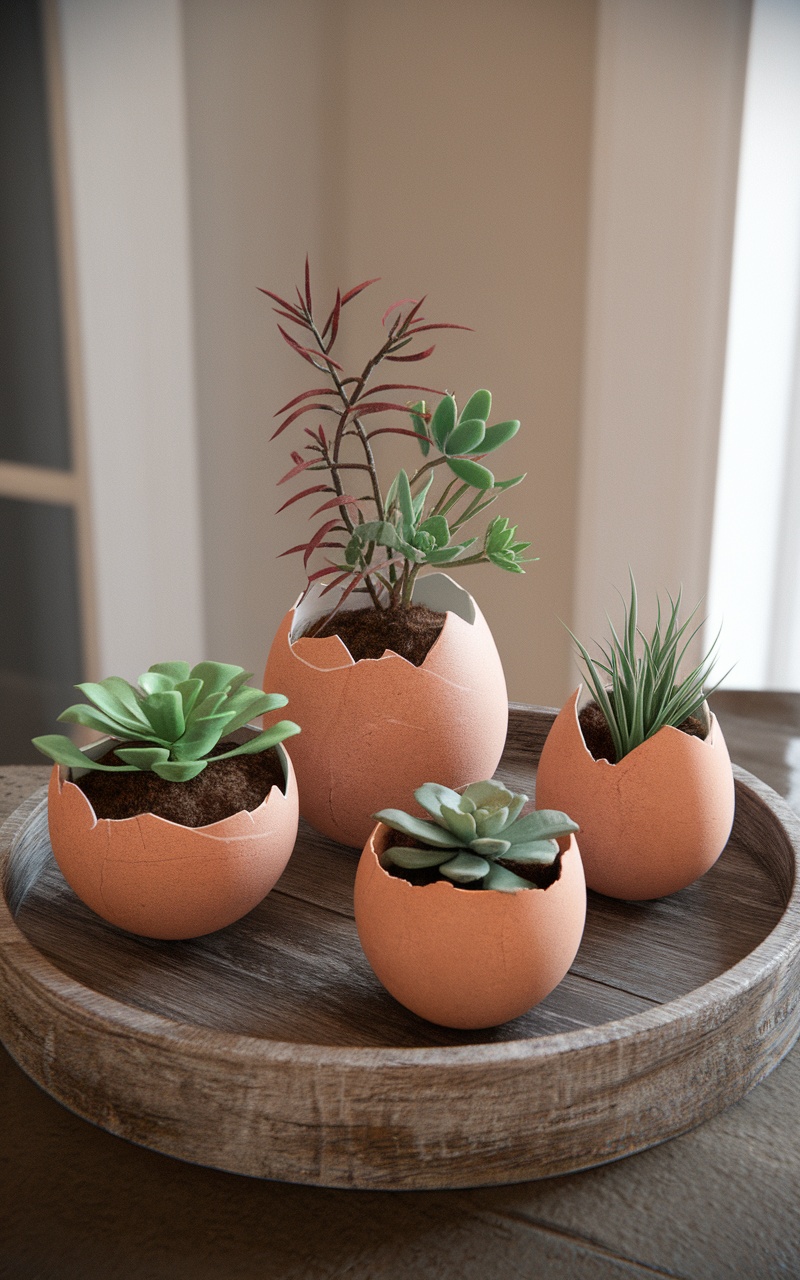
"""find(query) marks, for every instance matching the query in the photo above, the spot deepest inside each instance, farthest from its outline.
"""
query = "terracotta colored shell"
(375, 730)
(468, 958)
(163, 880)
(651, 824)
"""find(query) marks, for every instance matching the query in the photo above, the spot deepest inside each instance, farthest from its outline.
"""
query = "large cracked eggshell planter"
(375, 730)
(163, 880)
(468, 958)
(651, 824)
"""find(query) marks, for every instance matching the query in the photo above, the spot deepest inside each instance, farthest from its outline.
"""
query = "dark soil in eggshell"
(368, 633)
(597, 735)
(223, 788)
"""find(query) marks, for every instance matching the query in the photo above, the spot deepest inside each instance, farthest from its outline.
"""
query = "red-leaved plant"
(384, 540)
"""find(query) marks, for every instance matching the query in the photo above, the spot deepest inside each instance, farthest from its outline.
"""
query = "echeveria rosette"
(178, 713)
(473, 833)
(640, 692)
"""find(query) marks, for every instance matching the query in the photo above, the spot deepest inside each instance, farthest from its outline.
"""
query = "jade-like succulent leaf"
(127, 697)
(155, 682)
(219, 676)
(176, 671)
(467, 469)
(489, 848)
(542, 824)
(509, 484)
(414, 859)
(432, 795)
(421, 427)
(201, 736)
(443, 421)
(91, 719)
(165, 713)
(461, 824)
(464, 868)
(498, 434)
(479, 405)
(419, 498)
(489, 795)
(267, 738)
(418, 828)
(63, 751)
(504, 880)
(466, 437)
(175, 771)
(143, 758)
(190, 692)
(444, 555)
(404, 502)
(438, 528)
(537, 852)
(109, 703)
(490, 822)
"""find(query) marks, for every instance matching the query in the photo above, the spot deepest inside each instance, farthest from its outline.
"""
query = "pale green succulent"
(474, 833)
(178, 714)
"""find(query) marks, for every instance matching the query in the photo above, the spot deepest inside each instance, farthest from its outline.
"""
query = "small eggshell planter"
(162, 880)
(468, 958)
(375, 730)
(651, 824)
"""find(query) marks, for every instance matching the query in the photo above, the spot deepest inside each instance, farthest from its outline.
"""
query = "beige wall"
(450, 157)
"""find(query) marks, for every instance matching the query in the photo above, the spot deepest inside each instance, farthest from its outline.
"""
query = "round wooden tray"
(270, 1049)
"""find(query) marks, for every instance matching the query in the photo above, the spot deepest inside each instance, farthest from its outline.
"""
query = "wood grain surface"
(270, 1049)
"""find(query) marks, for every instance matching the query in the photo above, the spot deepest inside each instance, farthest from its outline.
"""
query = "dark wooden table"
(722, 1201)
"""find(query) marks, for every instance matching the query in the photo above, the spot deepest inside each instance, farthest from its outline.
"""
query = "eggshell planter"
(651, 824)
(163, 880)
(468, 958)
(375, 730)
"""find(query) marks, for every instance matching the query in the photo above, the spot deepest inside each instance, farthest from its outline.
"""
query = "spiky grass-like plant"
(473, 835)
(177, 715)
(640, 692)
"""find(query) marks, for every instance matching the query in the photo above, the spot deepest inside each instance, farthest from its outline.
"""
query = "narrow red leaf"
(303, 546)
(395, 431)
(346, 500)
(298, 467)
(401, 302)
(304, 395)
(335, 582)
(420, 355)
(315, 488)
(332, 322)
(287, 315)
(316, 539)
(414, 310)
(397, 386)
(308, 287)
(306, 352)
(376, 406)
(354, 292)
(298, 413)
(288, 306)
(423, 328)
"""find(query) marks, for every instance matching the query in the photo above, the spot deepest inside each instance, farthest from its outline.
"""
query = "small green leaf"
(432, 795)
(479, 405)
(498, 434)
(218, 676)
(467, 437)
(461, 824)
(504, 880)
(491, 823)
(121, 707)
(541, 853)
(413, 859)
(421, 426)
(443, 421)
(438, 528)
(404, 502)
(489, 794)
(165, 713)
(474, 474)
(542, 824)
(489, 847)
(176, 671)
(417, 828)
(173, 771)
(509, 484)
(155, 682)
(263, 741)
(419, 498)
(143, 757)
(464, 868)
(63, 751)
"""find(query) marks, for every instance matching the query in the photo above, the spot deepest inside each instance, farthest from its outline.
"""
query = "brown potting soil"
(220, 790)
(368, 633)
(597, 735)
